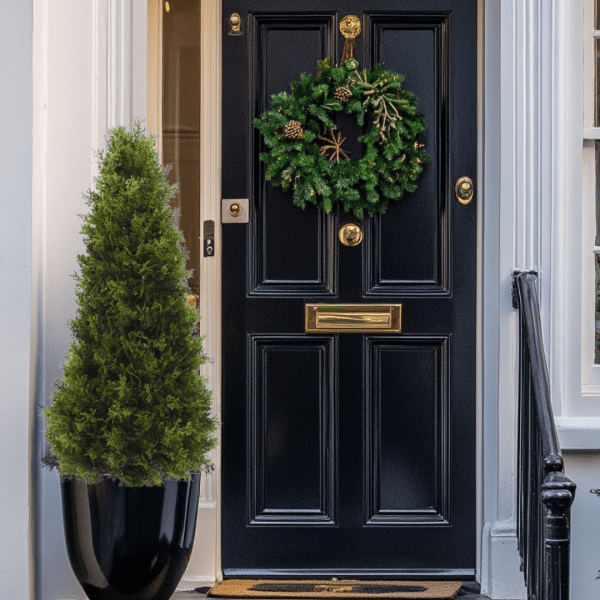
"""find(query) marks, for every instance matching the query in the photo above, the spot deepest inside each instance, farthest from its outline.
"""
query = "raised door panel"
(292, 450)
(280, 232)
(407, 430)
(408, 250)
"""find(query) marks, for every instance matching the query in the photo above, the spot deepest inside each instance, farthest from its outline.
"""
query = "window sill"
(578, 433)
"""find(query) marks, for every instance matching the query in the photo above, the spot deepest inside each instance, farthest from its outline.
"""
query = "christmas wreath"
(305, 150)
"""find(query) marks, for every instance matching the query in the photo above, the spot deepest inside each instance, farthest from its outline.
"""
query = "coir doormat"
(270, 588)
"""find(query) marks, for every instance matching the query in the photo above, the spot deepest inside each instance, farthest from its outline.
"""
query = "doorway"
(350, 454)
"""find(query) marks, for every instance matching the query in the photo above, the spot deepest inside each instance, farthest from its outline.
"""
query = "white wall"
(87, 63)
(584, 469)
(64, 101)
(15, 296)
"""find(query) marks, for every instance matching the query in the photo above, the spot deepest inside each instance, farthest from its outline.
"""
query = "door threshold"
(394, 574)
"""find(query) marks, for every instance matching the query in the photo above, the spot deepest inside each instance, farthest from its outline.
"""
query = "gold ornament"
(333, 146)
(350, 28)
(293, 130)
(343, 94)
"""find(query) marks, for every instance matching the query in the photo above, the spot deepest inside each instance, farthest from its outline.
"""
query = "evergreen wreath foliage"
(132, 404)
(392, 157)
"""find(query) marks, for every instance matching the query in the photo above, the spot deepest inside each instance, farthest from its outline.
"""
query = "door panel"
(417, 46)
(280, 233)
(406, 377)
(292, 439)
(350, 454)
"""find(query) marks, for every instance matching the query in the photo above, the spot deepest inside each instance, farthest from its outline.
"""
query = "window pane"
(597, 257)
(597, 83)
(181, 119)
(597, 144)
(597, 348)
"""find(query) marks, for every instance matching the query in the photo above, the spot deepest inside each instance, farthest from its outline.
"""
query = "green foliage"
(131, 403)
(392, 158)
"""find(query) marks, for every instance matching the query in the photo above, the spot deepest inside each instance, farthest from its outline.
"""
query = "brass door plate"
(353, 318)
(235, 211)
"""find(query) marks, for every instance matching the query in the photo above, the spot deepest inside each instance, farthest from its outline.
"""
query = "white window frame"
(590, 372)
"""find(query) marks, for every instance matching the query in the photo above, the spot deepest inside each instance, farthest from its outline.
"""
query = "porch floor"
(469, 591)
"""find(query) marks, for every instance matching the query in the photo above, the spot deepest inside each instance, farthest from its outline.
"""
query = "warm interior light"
(181, 121)
(167, 6)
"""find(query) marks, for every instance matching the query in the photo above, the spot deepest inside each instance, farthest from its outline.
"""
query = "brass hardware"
(353, 318)
(464, 190)
(336, 587)
(235, 24)
(350, 28)
(235, 211)
(192, 300)
(350, 234)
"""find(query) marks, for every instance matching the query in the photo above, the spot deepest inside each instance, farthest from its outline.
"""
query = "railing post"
(558, 492)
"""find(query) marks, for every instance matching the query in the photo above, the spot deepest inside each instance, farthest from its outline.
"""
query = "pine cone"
(293, 130)
(343, 94)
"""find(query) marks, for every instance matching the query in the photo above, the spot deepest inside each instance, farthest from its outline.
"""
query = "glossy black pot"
(129, 543)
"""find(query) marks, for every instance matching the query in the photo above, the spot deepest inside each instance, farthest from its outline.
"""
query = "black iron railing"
(545, 493)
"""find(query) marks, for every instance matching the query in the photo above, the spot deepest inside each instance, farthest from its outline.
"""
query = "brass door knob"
(235, 209)
(350, 234)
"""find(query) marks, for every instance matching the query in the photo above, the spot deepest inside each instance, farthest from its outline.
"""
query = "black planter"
(129, 543)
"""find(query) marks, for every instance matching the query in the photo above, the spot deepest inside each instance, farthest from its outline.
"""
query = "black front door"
(350, 454)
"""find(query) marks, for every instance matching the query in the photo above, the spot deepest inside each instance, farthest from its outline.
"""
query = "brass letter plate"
(353, 318)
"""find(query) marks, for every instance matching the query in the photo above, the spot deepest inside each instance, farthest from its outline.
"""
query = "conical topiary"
(132, 404)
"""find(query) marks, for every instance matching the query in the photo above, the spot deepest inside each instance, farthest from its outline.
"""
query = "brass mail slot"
(353, 318)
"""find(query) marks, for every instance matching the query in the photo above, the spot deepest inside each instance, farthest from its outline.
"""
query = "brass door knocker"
(350, 28)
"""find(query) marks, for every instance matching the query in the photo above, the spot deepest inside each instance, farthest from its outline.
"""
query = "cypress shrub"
(131, 404)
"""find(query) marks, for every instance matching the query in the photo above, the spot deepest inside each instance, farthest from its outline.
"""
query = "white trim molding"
(589, 386)
(205, 565)
(113, 77)
(531, 82)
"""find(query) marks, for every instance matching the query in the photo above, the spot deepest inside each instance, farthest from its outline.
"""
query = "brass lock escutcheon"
(464, 190)
(350, 234)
